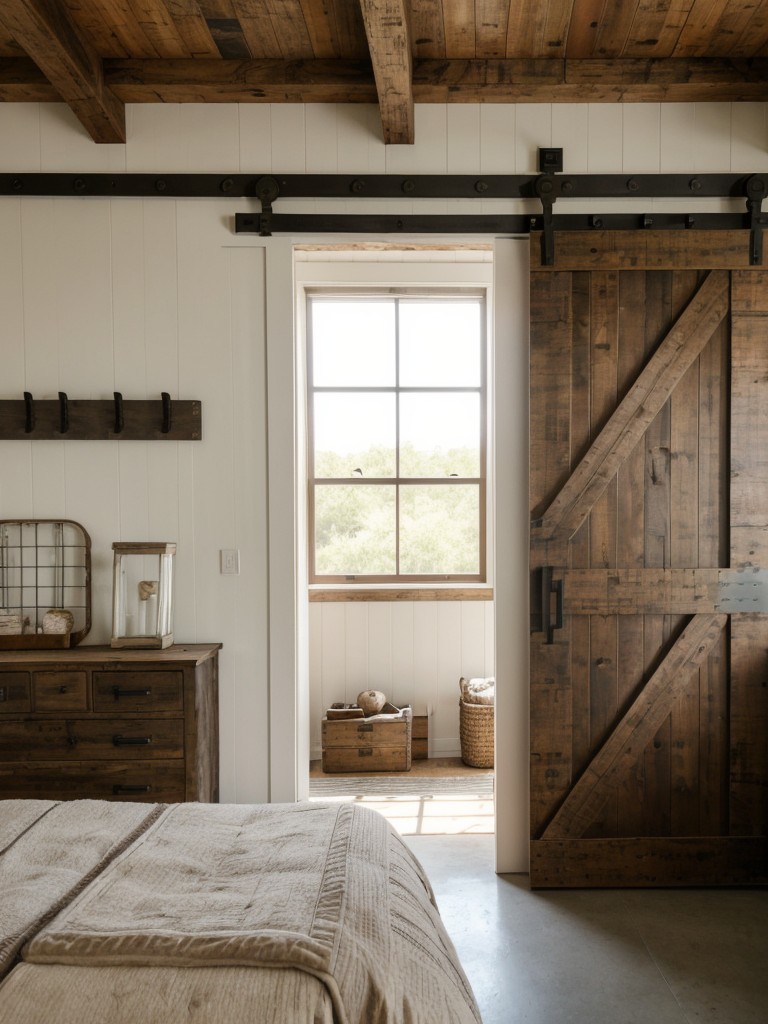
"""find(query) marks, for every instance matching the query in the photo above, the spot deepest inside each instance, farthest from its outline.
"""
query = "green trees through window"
(397, 412)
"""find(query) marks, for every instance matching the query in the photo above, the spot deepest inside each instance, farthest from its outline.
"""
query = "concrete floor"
(598, 957)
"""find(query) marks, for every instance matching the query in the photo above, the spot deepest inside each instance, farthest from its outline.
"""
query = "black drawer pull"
(131, 741)
(365, 752)
(365, 728)
(118, 693)
(116, 790)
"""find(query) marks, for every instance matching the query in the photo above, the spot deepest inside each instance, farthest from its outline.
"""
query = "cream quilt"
(325, 900)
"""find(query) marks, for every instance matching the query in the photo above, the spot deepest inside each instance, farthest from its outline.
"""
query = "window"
(397, 436)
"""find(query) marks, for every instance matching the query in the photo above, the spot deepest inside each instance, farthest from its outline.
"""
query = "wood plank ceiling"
(98, 55)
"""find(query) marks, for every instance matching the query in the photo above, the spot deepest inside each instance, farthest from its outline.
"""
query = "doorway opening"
(372, 628)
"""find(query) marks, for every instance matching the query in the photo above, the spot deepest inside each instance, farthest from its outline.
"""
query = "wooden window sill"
(401, 594)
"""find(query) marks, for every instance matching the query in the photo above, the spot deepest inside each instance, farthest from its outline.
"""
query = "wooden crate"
(381, 743)
(420, 738)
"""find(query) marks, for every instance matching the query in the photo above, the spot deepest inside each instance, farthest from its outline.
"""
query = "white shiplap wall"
(140, 296)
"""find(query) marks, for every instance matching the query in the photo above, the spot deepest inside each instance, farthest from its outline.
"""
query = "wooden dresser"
(110, 724)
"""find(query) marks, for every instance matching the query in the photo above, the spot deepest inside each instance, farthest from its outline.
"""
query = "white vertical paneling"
(80, 238)
(20, 122)
(449, 652)
(16, 495)
(333, 668)
(11, 297)
(205, 354)
(255, 138)
(570, 131)
(497, 138)
(749, 137)
(356, 650)
(322, 139)
(247, 595)
(65, 145)
(641, 137)
(428, 155)
(604, 137)
(161, 299)
(403, 657)
(380, 642)
(317, 704)
(712, 137)
(425, 644)
(92, 499)
(361, 148)
(533, 128)
(155, 138)
(463, 138)
(288, 682)
(209, 137)
(289, 147)
(472, 634)
(129, 267)
(41, 290)
(676, 137)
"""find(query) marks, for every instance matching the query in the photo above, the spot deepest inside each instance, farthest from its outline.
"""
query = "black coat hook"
(119, 421)
(166, 427)
(63, 413)
(29, 412)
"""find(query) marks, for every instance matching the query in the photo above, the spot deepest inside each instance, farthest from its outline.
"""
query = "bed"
(310, 913)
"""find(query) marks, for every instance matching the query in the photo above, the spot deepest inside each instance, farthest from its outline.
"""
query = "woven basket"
(476, 734)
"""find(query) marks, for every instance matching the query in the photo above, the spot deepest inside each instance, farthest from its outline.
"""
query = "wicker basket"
(476, 733)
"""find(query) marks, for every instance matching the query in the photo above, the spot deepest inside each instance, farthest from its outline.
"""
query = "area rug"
(395, 785)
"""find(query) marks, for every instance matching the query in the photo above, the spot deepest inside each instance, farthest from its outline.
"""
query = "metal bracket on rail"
(545, 189)
(267, 191)
(756, 190)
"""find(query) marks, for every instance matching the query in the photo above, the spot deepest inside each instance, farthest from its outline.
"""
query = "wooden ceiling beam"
(389, 42)
(45, 33)
(434, 81)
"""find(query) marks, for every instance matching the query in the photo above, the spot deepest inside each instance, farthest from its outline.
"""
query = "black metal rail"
(546, 189)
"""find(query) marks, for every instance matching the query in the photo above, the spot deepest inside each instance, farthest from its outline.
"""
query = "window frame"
(400, 581)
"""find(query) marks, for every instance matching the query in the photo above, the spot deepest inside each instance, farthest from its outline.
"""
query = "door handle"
(550, 587)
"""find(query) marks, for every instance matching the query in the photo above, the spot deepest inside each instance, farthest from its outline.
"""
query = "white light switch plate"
(229, 562)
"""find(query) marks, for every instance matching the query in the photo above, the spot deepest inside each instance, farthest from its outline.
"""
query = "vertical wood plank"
(749, 522)
(551, 726)
(579, 548)
(684, 551)
(630, 524)
(603, 639)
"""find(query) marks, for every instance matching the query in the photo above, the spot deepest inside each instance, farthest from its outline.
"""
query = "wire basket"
(476, 734)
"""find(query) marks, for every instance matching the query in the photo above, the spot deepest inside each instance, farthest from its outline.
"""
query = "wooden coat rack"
(63, 419)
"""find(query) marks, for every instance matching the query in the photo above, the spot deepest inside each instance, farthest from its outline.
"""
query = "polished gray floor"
(598, 957)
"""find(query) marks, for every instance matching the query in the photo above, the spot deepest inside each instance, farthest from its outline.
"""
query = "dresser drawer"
(15, 693)
(119, 739)
(60, 691)
(138, 691)
(158, 781)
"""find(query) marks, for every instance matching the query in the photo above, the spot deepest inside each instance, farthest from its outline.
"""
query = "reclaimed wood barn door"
(649, 560)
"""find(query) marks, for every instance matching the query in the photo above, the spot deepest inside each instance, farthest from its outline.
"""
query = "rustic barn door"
(649, 561)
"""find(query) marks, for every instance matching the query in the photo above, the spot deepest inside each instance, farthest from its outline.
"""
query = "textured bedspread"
(328, 890)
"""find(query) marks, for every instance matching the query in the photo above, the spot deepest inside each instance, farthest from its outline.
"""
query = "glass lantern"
(142, 594)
